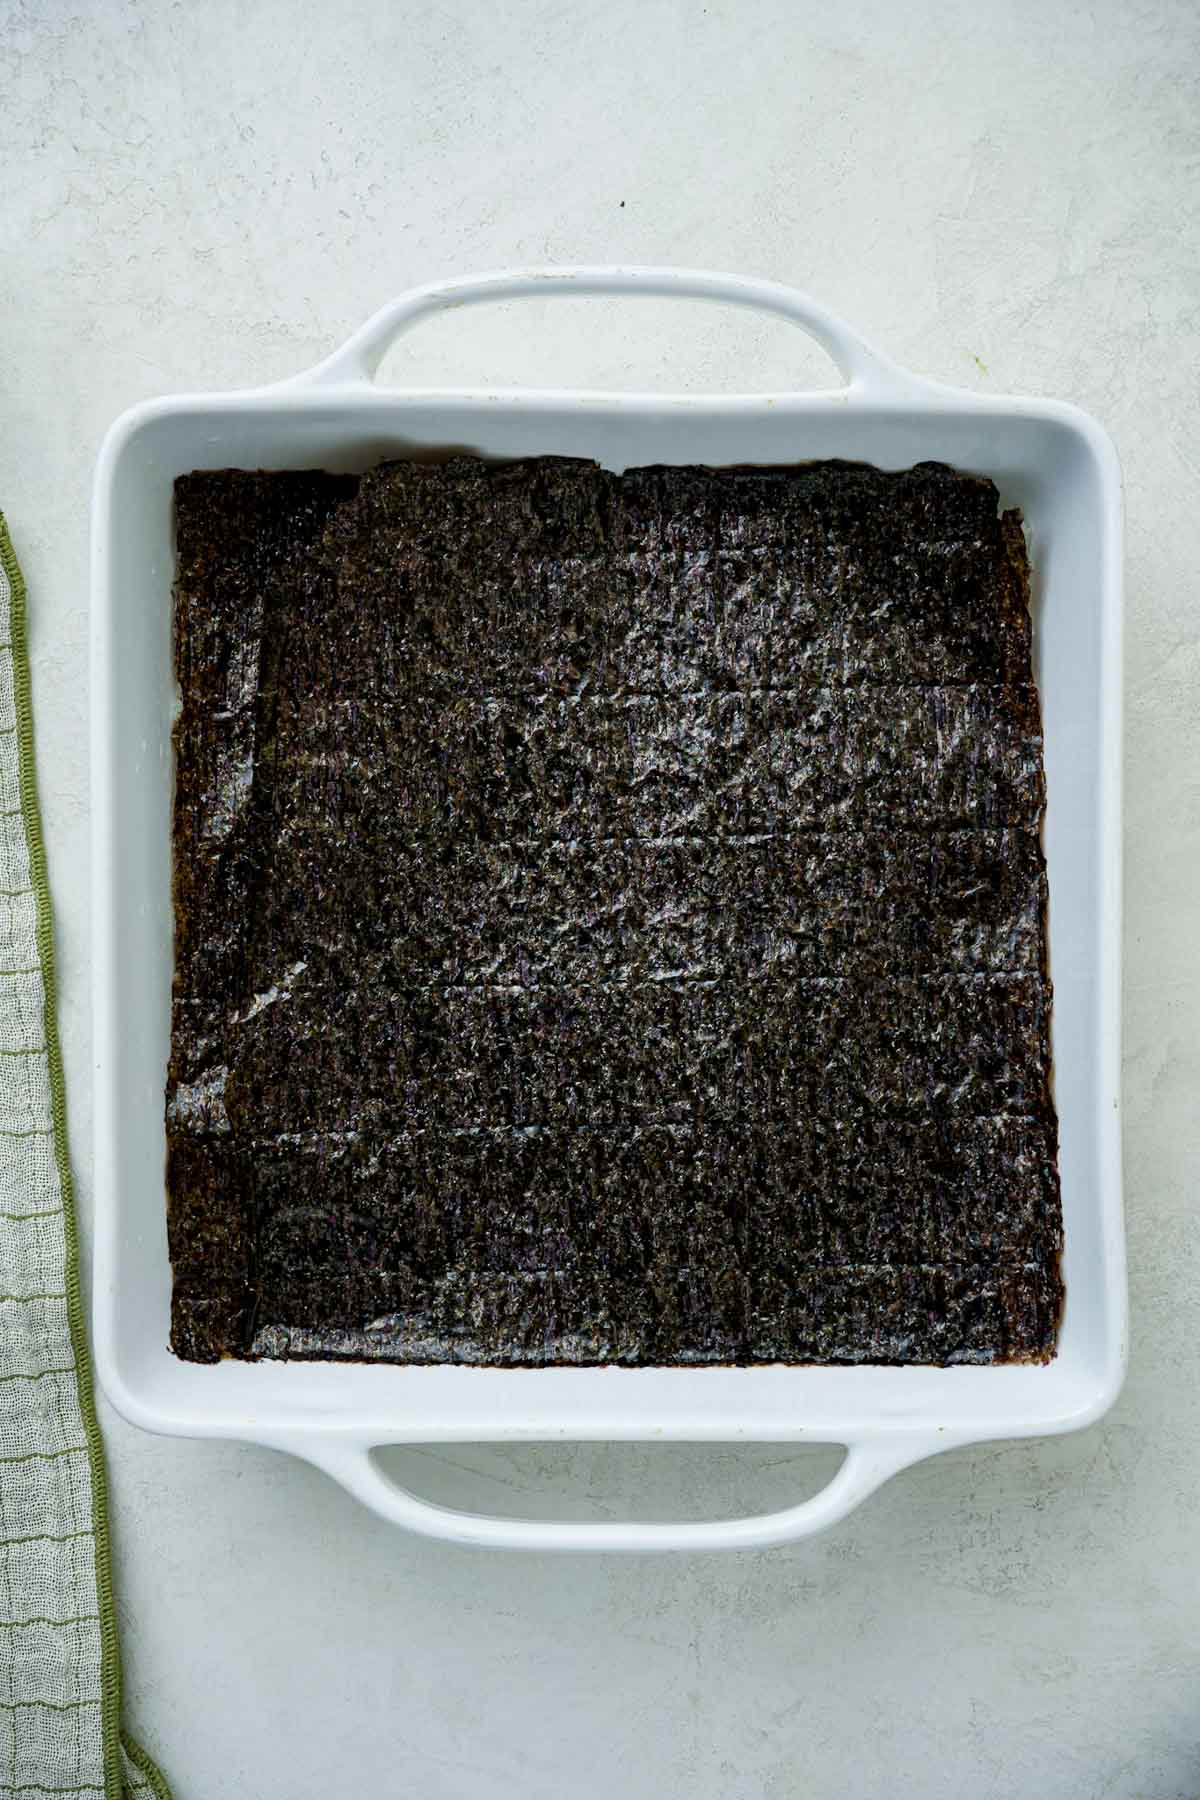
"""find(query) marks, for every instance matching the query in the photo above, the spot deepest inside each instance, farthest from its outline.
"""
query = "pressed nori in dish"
(610, 919)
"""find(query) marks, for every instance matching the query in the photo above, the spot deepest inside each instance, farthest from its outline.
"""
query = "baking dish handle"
(865, 369)
(865, 1468)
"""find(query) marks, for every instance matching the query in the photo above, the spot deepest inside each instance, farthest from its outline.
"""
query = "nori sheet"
(610, 919)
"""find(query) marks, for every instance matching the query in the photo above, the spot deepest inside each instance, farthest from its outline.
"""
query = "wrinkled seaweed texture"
(610, 919)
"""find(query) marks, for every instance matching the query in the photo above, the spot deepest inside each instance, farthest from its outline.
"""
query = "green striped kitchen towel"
(60, 1672)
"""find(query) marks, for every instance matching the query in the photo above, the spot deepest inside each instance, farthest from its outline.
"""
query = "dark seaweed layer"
(610, 919)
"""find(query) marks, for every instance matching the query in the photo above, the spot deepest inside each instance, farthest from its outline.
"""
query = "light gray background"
(1005, 197)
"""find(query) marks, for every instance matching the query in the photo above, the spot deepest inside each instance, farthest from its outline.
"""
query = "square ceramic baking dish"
(1049, 459)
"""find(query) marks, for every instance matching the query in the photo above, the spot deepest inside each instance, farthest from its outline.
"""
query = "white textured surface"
(1005, 197)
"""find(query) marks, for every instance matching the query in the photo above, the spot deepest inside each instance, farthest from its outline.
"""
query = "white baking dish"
(1048, 458)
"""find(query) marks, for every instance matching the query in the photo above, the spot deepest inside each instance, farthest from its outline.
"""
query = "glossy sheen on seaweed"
(610, 919)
